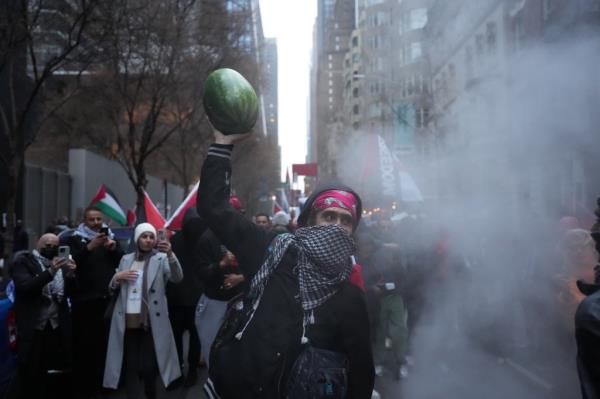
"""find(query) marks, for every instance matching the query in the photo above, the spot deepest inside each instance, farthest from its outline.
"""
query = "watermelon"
(230, 102)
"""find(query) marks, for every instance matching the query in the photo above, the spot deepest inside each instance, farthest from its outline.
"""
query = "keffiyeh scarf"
(55, 289)
(323, 264)
(89, 234)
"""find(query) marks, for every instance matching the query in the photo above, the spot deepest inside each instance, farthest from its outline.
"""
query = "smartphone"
(104, 230)
(162, 235)
(64, 251)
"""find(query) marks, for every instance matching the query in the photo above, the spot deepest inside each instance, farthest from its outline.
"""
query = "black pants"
(90, 340)
(47, 353)
(182, 319)
(140, 367)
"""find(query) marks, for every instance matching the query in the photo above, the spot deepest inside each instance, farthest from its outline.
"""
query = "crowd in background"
(71, 328)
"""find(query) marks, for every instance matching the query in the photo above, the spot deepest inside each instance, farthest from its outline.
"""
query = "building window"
(491, 33)
(329, 57)
(469, 62)
(330, 65)
(355, 41)
(355, 109)
(479, 45)
(355, 92)
(331, 99)
(422, 117)
(337, 47)
(337, 39)
(416, 51)
(547, 8)
(518, 33)
(330, 91)
(330, 82)
(418, 18)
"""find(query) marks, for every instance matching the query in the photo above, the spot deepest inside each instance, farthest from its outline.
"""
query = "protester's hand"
(228, 260)
(70, 267)
(127, 275)
(164, 246)
(57, 263)
(97, 242)
(111, 245)
(221, 138)
(231, 280)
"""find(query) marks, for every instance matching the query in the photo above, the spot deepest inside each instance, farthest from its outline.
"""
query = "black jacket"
(185, 245)
(29, 281)
(587, 335)
(95, 269)
(257, 365)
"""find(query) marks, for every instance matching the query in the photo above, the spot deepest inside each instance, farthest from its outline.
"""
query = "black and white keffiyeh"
(89, 234)
(323, 264)
(55, 289)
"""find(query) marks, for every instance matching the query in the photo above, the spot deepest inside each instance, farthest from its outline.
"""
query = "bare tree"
(38, 41)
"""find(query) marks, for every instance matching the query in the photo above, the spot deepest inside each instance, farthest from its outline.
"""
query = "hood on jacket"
(306, 210)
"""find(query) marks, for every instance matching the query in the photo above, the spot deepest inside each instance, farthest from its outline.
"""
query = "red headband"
(336, 199)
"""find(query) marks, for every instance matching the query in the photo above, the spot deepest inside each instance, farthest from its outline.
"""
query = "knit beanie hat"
(141, 229)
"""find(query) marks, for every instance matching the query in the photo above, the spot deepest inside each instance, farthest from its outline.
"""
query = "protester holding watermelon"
(302, 330)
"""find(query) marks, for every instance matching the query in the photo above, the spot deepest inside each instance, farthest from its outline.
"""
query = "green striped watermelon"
(230, 101)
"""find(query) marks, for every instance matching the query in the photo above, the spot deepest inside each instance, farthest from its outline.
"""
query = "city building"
(333, 27)
(483, 58)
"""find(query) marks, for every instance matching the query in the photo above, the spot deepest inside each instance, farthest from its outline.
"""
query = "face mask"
(49, 252)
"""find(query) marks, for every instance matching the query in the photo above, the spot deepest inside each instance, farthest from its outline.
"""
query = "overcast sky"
(291, 23)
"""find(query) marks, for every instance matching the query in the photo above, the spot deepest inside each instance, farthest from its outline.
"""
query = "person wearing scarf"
(301, 310)
(141, 344)
(43, 322)
(97, 255)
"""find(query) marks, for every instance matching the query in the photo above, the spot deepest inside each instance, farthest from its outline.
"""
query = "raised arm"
(242, 237)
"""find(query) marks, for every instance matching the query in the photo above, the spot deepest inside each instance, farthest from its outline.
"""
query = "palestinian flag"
(149, 213)
(176, 220)
(107, 202)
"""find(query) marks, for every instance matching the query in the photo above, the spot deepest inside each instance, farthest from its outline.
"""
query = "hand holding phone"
(162, 235)
(64, 252)
(104, 230)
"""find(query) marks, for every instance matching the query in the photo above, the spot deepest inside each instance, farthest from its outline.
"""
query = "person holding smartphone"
(141, 344)
(42, 281)
(97, 253)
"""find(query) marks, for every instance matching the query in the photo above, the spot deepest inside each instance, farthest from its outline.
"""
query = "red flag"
(175, 222)
(305, 169)
(153, 215)
(131, 218)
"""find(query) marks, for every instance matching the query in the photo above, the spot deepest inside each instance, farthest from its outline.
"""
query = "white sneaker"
(375, 395)
(379, 370)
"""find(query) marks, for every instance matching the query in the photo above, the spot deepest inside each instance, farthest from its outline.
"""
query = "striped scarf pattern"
(324, 262)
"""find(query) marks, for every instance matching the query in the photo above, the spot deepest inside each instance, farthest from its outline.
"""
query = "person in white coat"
(141, 344)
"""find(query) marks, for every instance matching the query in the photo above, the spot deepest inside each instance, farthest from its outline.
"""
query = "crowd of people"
(313, 306)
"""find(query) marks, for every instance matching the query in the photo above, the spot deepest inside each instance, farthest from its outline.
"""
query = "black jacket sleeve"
(28, 283)
(243, 238)
(357, 345)
(208, 256)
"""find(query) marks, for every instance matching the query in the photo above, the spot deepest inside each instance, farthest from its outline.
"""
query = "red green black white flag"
(107, 202)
